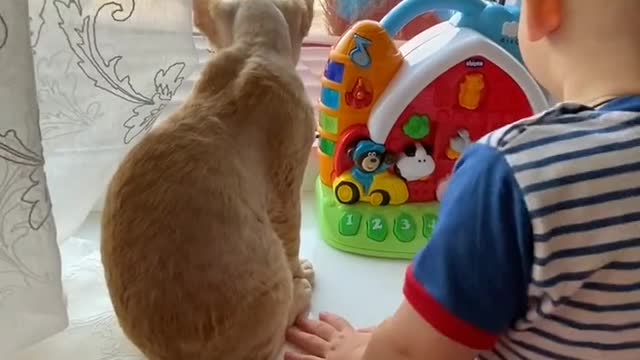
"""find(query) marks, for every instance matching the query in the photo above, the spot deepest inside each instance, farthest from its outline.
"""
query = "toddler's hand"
(331, 338)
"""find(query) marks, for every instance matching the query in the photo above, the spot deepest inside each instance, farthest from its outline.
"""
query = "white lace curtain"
(80, 81)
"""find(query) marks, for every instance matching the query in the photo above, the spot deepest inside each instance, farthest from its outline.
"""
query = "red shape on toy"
(350, 137)
(361, 95)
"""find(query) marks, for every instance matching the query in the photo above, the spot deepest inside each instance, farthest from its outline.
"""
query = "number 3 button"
(405, 228)
(377, 228)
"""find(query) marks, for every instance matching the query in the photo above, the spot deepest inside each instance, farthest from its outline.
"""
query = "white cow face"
(415, 163)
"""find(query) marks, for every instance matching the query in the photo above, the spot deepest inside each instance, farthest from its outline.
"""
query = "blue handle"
(496, 22)
(408, 10)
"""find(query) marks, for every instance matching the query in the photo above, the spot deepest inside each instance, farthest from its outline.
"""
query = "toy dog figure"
(201, 228)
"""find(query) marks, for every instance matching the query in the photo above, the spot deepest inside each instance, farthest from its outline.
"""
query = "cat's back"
(187, 241)
(174, 179)
(196, 178)
(172, 203)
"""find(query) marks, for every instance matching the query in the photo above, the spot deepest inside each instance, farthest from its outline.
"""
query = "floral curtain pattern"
(80, 82)
(30, 285)
(106, 71)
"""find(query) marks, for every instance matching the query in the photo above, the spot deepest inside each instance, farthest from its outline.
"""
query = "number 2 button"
(377, 228)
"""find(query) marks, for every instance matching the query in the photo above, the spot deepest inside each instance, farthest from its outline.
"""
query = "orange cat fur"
(201, 226)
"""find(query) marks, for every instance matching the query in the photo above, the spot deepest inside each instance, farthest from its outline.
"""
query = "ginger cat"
(201, 227)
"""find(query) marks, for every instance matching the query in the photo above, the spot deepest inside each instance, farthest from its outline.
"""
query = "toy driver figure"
(370, 159)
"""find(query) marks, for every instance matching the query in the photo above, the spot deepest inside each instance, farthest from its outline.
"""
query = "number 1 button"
(377, 228)
(349, 224)
(405, 228)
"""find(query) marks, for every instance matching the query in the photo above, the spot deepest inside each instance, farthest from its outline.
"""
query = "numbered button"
(405, 228)
(350, 223)
(428, 225)
(377, 228)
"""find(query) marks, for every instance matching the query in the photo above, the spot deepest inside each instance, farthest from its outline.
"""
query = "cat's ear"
(215, 19)
(201, 17)
(310, 4)
(310, 8)
(299, 17)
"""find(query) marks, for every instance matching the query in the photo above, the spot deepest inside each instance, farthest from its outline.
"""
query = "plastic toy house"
(393, 122)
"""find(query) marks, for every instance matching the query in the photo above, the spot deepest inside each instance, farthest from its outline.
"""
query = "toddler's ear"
(214, 18)
(542, 17)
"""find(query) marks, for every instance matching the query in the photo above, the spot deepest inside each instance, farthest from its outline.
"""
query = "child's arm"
(406, 336)
(469, 285)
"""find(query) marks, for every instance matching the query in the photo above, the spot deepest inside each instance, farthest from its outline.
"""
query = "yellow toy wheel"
(347, 193)
(379, 198)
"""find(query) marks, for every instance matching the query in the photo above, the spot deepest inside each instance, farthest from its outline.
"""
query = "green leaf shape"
(418, 127)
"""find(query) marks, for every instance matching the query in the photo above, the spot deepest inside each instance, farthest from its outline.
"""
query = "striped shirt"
(537, 251)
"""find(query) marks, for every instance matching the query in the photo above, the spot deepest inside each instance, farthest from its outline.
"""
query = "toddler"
(537, 251)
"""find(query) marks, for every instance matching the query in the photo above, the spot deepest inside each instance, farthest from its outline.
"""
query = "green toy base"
(395, 232)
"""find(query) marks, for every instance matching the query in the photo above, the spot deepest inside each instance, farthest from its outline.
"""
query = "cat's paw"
(307, 271)
(301, 304)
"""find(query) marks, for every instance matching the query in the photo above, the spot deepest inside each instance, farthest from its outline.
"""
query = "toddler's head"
(578, 49)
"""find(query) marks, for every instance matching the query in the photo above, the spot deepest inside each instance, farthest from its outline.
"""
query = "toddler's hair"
(341, 14)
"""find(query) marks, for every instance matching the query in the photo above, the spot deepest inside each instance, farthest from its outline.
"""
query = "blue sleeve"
(470, 282)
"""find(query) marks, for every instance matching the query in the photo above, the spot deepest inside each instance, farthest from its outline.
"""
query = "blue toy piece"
(497, 22)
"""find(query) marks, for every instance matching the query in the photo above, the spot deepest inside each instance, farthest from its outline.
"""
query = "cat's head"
(280, 25)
